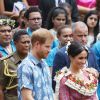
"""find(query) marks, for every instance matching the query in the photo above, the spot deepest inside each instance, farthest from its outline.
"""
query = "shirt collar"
(33, 59)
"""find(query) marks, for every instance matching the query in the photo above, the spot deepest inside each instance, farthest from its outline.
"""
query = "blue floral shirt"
(35, 78)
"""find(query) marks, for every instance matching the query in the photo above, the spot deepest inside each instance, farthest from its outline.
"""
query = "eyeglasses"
(34, 19)
(3, 31)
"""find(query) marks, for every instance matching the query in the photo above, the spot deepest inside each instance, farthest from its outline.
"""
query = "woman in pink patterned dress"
(78, 82)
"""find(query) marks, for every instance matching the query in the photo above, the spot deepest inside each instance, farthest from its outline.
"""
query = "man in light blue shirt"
(34, 78)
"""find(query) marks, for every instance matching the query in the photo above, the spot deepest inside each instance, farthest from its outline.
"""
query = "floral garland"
(78, 83)
(7, 22)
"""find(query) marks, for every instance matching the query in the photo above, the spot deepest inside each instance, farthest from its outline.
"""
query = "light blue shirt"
(51, 56)
(96, 49)
(55, 43)
(37, 79)
(29, 31)
(4, 52)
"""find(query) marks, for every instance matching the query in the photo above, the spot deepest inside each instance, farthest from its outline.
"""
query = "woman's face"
(66, 36)
(92, 21)
(59, 20)
(79, 61)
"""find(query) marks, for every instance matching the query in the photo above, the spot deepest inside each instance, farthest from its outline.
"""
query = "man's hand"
(27, 94)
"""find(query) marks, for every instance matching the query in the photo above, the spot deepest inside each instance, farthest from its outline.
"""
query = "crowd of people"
(49, 49)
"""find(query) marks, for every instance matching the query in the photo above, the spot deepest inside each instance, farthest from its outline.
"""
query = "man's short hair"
(17, 35)
(41, 35)
(30, 10)
(80, 24)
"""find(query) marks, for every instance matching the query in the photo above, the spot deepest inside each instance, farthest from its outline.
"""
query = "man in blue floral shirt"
(34, 79)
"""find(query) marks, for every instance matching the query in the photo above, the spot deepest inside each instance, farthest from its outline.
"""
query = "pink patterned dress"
(77, 87)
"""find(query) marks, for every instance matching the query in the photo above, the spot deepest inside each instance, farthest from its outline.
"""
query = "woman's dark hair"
(21, 12)
(54, 13)
(65, 5)
(76, 48)
(96, 28)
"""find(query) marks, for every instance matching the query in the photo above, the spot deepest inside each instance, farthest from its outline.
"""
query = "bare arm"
(26, 3)
(26, 94)
(84, 10)
(1, 93)
(2, 9)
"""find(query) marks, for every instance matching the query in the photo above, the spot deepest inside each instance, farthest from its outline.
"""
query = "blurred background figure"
(6, 43)
(33, 2)
(47, 5)
(57, 17)
(98, 7)
(0, 55)
(98, 37)
(68, 9)
(96, 49)
(92, 21)
(33, 19)
(12, 8)
(21, 20)
(84, 6)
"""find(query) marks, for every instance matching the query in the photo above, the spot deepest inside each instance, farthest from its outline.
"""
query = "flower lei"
(7, 22)
(87, 88)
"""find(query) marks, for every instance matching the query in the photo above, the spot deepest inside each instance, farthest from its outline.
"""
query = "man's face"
(44, 49)
(23, 44)
(35, 20)
(81, 35)
(5, 35)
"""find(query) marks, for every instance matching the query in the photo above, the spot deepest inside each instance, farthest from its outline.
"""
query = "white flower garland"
(7, 22)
